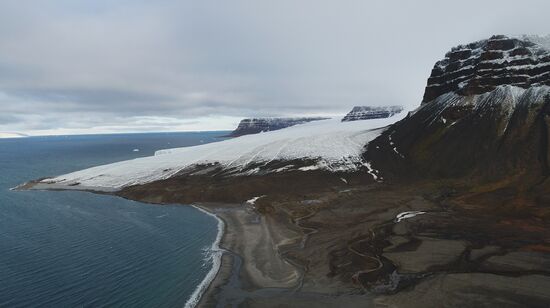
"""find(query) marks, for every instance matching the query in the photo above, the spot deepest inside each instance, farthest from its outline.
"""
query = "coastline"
(216, 256)
(258, 244)
(222, 259)
(249, 261)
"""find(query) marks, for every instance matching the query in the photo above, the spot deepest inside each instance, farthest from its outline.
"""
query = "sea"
(78, 249)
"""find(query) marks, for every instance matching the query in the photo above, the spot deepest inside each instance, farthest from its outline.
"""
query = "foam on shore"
(216, 255)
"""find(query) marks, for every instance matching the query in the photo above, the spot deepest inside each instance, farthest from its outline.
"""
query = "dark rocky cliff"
(368, 112)
(257, 125)
(482, 66)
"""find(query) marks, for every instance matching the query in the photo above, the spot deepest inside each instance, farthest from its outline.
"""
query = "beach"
(250, 261)
(253, 273)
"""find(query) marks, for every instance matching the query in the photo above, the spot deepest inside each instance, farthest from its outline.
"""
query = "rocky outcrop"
(368, 112)
(482, 66)
(258, 125)
(485, 114)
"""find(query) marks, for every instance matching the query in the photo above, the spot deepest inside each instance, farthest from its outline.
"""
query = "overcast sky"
(71, 66)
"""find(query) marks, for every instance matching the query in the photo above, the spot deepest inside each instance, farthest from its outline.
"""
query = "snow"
(285, 168)
(504, 98)
(371, 170)
(407, 215)
(393, 146)
(253, 200)
(309, 168)
(334, 145)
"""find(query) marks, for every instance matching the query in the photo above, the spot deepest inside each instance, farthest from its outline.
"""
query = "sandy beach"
(251, 261)
(253, 273)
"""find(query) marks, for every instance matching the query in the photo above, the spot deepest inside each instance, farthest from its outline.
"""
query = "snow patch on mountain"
(502, 103)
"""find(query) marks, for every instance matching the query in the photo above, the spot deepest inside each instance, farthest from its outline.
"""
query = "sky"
(107, 66)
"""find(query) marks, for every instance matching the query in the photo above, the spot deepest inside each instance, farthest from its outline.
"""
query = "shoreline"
(216, 255)
(221, 268)
(250, 265)
(215, 277)
(257, 244)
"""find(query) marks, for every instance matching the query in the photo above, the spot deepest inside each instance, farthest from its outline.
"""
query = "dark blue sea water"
(76, 249)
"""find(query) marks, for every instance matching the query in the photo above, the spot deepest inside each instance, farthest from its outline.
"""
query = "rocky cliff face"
(482, 66)
(257, 125)
(485, 114)
(368, 112)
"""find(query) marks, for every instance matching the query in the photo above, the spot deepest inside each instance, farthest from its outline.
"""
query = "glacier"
(332, 144)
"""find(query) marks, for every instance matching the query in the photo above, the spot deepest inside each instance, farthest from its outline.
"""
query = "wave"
(216, 255)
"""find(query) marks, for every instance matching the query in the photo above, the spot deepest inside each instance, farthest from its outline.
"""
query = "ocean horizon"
(70, 248)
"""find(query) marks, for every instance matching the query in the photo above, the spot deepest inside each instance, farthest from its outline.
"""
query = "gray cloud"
(68, 66)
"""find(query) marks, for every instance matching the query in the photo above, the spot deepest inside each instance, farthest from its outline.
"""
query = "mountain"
(430, 205)
(258, 125)
(485, 115)
(368, 112)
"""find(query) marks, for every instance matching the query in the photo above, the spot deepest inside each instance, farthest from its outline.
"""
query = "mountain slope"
(484, 115)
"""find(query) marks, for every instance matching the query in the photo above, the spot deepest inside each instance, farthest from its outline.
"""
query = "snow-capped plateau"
(331, 144)
(370, 112)
(258, 125)
(482, 66)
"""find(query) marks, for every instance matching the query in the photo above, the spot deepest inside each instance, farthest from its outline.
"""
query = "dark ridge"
(482, 66)
(258, 125)
(368, 112)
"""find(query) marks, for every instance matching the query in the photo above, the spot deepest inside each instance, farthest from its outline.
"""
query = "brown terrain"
(335, 243)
